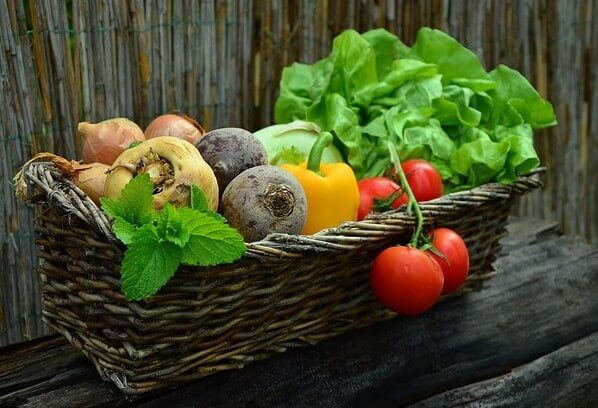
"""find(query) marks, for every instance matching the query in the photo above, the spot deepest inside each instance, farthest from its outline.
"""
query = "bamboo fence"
(62, 62)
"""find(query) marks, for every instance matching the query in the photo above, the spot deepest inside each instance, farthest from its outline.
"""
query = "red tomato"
(423, 178)
(406, 280)
(455, 264)
(372, 188)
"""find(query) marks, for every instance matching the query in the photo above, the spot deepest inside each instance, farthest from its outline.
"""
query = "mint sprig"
(198, 199)
(159, 242)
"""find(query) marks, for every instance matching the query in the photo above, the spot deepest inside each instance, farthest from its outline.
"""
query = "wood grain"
(568, 372)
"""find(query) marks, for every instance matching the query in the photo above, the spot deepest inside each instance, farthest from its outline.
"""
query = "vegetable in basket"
(378, 194)
(409, 279)
(262, 200)
(331, 189)
(89, 177)
(177, 125)
(433, 101)
(159, 241)
(291, 142)
(104, 141)
(229, 152)
(174, 165)
(423, 178)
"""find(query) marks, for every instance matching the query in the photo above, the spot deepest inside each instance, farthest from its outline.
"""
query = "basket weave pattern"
(287, 291)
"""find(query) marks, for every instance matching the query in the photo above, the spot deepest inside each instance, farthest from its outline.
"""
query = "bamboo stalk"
(20, 134)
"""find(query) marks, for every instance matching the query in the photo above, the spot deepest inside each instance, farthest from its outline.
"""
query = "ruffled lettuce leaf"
(433, 100)
(517, 102)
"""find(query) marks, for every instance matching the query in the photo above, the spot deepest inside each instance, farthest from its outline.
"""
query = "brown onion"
(104, 141)
(90, 178)
(176, 125)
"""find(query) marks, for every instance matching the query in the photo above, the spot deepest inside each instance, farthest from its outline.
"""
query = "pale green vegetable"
(291, 143)
(433, 100)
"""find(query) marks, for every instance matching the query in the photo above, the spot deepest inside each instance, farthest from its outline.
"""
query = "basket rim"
(60, 191)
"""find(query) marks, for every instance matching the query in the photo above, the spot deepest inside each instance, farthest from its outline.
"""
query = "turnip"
(262, 200)
(229, 151)
(174, 165)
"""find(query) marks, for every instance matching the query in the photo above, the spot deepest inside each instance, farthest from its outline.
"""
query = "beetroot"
(229, 151)
(262, 200)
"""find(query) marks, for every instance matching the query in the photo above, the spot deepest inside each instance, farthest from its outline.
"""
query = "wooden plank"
(66, 379)
(19, 369)
(525, 231)
(566, 377)
(542, 300)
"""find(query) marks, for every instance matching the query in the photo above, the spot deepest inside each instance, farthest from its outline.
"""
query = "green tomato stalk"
(412, 206)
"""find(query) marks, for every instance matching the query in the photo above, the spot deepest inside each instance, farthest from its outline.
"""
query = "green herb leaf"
(157, 243)
(211, 241)
(134, 144)
(199, 202)
(198, 199)
(148, 264)
(171, 226)
(135, 202)
(124, 230)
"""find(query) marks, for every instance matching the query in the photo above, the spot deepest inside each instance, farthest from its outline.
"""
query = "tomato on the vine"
(372, 189)
(455, 263)
(423, 178)
(406, 280)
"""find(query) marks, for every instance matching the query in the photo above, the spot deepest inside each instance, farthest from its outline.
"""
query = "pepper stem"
(412, 206)
(315, 154)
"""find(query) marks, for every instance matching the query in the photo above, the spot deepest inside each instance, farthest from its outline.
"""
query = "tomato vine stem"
(412, 206)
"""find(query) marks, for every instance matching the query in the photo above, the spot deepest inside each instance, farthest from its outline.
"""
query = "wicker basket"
(287, 291)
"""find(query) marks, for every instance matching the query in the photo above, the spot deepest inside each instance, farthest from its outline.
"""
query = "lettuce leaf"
(517, 102)
(433, 100)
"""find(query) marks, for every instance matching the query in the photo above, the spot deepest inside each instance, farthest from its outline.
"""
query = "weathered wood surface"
(564, 378)
(529, 338)
(220, 61)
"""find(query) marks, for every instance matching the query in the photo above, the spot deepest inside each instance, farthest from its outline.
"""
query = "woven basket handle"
(42, 183)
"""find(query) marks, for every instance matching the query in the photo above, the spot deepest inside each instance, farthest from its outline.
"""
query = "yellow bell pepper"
(331, 189)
